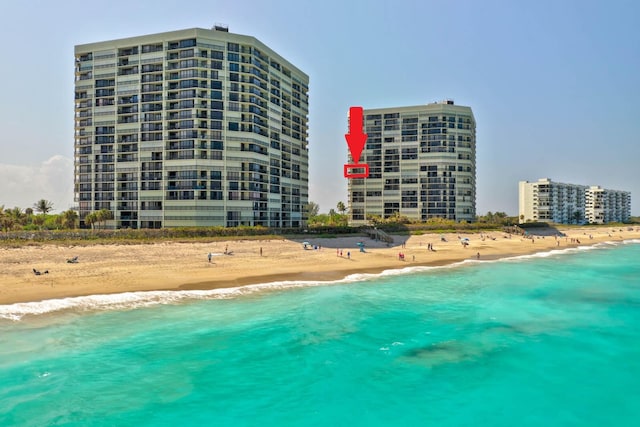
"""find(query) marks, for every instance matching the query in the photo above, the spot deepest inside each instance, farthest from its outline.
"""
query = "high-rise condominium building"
(190, 128)
(546, 200)
(422, 164)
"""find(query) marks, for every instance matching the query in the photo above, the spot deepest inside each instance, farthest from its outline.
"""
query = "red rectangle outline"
(364, 174)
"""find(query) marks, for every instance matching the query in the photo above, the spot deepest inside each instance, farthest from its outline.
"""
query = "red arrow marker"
(355, 138)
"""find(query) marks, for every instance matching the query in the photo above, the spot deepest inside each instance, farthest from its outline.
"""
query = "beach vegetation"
(13, 219)
(38, 221)
(497, 218)
(70, 219)
(20, 227)
(103, 215)
(577, 216)
(311, 209)
(98, 218)
(374, 220)
(341, 208)
(16, 219)
(332, 219)
(90, 219)
(43, 206)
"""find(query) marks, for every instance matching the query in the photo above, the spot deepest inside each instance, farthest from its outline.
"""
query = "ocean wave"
(557, 252)
(131, 300)
(141, 299)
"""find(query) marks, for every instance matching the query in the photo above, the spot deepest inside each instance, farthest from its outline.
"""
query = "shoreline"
(115, 269)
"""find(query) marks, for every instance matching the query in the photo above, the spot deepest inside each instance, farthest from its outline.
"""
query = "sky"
(554, 85)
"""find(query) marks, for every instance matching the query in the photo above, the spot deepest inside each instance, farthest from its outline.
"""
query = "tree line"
(37, 218)
(338, 218)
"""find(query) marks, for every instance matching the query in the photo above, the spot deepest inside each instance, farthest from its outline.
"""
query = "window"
(187, 43)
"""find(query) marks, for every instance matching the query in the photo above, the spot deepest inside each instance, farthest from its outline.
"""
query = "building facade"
(548, 201)
(194, 127)
(422, 164)
(603, 206)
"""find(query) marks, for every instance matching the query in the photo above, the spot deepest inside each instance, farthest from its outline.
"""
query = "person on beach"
(209, 256)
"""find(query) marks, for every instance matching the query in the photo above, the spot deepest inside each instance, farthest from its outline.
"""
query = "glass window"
(188, 43)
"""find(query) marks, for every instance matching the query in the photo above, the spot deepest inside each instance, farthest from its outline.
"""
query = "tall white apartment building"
(194, 127)
(422, 164)
(546, 200)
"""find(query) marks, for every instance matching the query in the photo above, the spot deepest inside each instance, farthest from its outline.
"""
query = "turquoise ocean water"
(547, 340)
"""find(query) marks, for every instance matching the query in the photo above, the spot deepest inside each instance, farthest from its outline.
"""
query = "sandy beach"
(107, 269)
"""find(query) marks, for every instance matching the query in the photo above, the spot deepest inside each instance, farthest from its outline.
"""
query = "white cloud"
(24, 185)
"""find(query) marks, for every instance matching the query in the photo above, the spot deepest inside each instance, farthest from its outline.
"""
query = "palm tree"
(69, 219)
(43, 206)
(91, 219)
(312, 209)
(341, 208)
(103, 215)
(17, 216)
(4, 219)
(577, 216)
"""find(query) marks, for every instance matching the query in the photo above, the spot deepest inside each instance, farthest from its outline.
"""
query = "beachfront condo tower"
(195, 127)
(548, 201)
(422, 164)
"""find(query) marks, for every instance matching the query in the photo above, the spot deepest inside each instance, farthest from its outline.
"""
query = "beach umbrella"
(306, 243)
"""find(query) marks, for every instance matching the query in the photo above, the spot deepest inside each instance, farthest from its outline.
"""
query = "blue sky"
(554, 85)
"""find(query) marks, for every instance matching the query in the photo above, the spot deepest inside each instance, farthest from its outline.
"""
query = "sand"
(107, 269)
